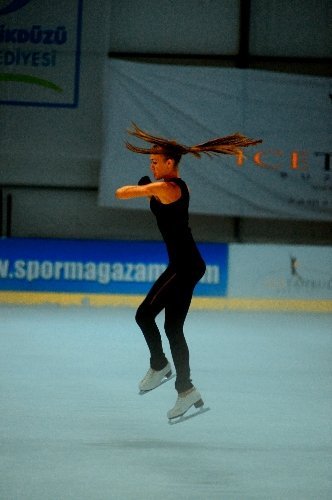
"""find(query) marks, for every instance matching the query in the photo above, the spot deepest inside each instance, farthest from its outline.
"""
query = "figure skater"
(173, 290)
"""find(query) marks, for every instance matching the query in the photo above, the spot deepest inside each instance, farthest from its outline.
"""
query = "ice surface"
(72, 425)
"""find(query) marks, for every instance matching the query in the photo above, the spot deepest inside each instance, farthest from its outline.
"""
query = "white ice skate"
(185, 401)
(154, 378)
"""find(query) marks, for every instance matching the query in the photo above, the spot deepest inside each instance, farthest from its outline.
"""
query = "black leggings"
(173, 292)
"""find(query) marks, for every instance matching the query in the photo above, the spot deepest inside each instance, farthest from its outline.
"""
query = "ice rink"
(73, 425)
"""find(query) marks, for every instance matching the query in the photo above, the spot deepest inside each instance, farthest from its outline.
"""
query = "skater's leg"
(175, 315)
(176, 312)
(146, 314)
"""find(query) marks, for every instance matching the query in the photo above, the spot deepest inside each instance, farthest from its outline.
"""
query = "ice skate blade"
(166, 379)
(184, 417)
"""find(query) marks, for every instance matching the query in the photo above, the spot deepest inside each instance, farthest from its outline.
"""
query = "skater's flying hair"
(227, 145)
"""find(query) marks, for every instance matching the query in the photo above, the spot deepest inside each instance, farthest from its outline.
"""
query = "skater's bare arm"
(166, 192)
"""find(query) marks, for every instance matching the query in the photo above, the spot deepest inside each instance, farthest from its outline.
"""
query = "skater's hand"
(144, 180)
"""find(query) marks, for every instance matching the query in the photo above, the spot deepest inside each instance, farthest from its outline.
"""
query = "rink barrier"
(202, 303)
(119, 273)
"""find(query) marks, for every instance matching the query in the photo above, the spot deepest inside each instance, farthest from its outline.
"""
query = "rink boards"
(119, 273)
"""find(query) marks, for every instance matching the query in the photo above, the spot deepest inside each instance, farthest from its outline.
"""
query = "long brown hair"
(228, 145)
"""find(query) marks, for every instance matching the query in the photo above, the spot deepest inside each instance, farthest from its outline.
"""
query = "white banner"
(287, 176)
(280, 272)
(40, 53)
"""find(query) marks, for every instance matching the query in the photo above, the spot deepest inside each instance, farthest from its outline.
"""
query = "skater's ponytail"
(228, 145)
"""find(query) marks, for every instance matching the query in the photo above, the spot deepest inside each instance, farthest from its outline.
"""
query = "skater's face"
(162, 167)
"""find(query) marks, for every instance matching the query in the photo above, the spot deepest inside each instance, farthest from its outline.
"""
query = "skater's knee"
(143, 315)
(139, 317)
(173, 330)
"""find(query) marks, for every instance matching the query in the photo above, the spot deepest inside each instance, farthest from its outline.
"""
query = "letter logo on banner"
(108, 267)
(40, 53)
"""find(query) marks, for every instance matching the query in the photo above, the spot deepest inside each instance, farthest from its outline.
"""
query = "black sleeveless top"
(173, 223)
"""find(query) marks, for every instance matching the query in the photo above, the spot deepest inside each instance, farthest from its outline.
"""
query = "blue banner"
(90, 266)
